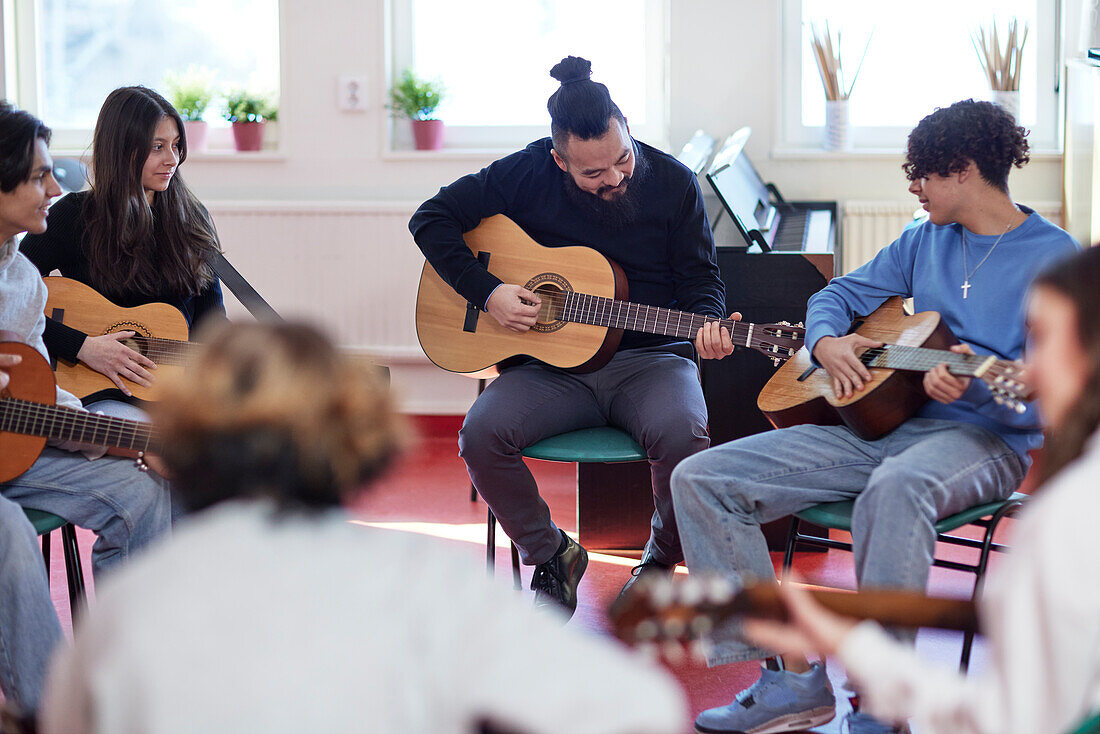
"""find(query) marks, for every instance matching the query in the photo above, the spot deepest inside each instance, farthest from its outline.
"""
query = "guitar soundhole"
(551, 289)
(137, 328)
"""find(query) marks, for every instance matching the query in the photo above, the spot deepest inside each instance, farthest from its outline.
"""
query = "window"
(72, 53)
(921, 57)
(496, 69)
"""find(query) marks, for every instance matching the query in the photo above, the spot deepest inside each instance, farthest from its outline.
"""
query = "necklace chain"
(967, 276)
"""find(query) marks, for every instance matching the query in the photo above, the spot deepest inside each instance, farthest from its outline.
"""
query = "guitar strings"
(53, 421)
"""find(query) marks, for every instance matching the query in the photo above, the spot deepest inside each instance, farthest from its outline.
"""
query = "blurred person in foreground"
(270, 611)
(1041, 607)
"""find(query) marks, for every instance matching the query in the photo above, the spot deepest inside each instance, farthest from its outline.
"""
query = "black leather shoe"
(555, 581)
(649, 566)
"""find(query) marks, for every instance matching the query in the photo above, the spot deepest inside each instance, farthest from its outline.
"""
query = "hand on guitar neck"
(713, 340)
(108, 356)
(944, 387)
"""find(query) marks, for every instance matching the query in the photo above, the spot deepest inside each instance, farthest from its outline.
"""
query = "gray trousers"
(653, 393)
(902, 484)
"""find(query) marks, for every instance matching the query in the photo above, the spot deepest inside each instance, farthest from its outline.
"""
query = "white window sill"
(793, 153)
(448, 154)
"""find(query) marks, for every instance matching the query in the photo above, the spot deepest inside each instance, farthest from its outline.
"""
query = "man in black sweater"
(589, 184)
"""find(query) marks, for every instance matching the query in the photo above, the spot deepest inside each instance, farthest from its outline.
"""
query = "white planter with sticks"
(1002, 68)
(838, 128)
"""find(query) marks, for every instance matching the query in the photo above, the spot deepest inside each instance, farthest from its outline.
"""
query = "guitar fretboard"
(922, 359)
(583, 308)
(164, 351)
(66, 424)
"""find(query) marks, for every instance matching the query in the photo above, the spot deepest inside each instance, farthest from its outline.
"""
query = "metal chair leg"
(46, 552)
(979, 573)
(73, 569)
(517, 582)
(788, 552)
(491, 544)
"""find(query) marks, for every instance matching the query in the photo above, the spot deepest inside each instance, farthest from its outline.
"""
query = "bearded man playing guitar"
(972, 261)
(125, 507)
(589, 184)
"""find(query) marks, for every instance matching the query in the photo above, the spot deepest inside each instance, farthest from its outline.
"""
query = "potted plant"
(417, 99)
(248, 112)
(190, 93)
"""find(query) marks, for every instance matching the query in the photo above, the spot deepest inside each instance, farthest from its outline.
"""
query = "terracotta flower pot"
(195, 130)
(248, 135)
(428, 134)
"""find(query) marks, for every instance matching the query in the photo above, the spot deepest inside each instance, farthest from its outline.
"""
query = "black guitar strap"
(243, 290)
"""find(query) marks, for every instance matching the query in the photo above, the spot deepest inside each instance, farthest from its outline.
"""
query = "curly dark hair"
(945, 141)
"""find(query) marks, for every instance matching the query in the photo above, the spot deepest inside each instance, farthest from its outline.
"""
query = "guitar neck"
(583, 308)
(922, 359)
(164, 351)
(66, 424)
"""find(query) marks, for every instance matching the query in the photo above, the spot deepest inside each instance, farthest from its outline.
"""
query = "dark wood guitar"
(662, 610)
(802, 393)
(583, 313)
(29, 416)
(160, 334)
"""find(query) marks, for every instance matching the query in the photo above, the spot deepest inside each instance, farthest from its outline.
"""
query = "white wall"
(723, 74)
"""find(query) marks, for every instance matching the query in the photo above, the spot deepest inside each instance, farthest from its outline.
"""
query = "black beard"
(614, 213)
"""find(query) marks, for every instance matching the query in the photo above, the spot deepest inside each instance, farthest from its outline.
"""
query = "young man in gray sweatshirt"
(125, 506)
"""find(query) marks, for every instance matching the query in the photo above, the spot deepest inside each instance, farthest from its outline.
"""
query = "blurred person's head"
(1064, 355)
(273, 411)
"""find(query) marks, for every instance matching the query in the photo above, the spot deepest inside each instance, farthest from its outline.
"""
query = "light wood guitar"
(160, 334)
(802, 393)
(582, 316)
(657, 611)
(29, 417)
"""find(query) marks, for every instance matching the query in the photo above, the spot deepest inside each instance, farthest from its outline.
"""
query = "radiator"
(351, 267)
(869, 226)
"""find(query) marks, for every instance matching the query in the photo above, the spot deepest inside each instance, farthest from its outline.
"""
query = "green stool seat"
(605, 445)
(838, 515)
(44, 522)
(1089, 726)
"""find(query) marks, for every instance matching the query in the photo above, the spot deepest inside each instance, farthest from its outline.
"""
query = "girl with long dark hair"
(137, 236)
(1041, 607)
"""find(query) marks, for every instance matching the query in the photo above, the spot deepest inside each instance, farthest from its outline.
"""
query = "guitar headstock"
(1006, 381)
(778, 341)
(666, 618)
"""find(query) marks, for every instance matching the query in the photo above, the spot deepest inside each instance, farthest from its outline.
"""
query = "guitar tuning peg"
(701, 625)
(1019, 407)
(800, 325)
(674, 628)
(691, 591)
(775, 361)
(700, 650)
(719, 590)
(673, 652)
(649, 650)
(646, 630)
(784, 323)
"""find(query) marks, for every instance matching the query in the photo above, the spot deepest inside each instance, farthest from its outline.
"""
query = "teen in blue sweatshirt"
(972, 261)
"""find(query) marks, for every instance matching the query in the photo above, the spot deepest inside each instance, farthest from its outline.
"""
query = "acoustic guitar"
(160, 334)
(29, 417)
(800, 392)
(582, 315)
(657, 611)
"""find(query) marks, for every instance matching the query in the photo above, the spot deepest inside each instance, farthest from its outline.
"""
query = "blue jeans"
(902, 484)
(126, 508)
(651, 392)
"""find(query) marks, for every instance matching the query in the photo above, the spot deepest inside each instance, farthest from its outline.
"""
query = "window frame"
(498, 138)
(22, 84)
(1046, 134)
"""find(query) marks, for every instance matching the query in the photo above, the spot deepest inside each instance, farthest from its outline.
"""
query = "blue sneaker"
(780, 701)
(861, 723)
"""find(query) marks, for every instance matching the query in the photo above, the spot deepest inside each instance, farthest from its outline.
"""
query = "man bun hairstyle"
(944, 141)
(18, 132)
(580, 107)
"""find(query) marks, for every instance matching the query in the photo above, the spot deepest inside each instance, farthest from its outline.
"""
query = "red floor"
(428, 492)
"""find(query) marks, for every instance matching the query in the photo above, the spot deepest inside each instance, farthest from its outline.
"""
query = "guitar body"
(460, 337)
(81, 307)
(31, 380)
(791, 398)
